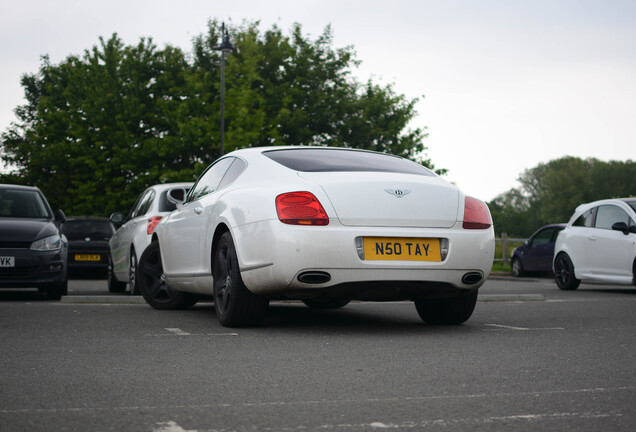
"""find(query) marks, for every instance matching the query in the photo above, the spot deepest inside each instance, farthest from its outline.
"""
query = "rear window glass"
(631, 203)
(80, 229)
(334, 160)
(586, 219)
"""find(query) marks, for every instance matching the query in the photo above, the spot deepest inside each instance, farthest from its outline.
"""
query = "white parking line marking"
(171, 426)
(505, 327)
(178, 331)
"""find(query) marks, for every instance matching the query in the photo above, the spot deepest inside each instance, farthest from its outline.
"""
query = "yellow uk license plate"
(87, 257)
(401, 249)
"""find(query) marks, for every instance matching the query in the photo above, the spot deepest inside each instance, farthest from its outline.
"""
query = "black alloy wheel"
(517, 268)
(564, 273)
(152, 284)
(235, 305)
(114, 286)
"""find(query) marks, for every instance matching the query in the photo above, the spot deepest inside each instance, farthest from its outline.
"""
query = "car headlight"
(49, 243)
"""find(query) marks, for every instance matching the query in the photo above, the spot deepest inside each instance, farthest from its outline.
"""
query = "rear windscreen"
(341, 160)
(81, 229)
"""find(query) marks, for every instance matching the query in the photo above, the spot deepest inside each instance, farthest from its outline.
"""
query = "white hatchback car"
(322, 225)
(131, 239)
(598, 244)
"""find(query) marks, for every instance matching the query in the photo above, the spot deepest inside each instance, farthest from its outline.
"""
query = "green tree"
(550, 192)
(99, 128)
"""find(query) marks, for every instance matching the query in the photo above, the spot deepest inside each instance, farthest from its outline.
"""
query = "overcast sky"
(504, 85)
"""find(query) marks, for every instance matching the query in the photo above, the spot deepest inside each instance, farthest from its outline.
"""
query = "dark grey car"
(33, 251)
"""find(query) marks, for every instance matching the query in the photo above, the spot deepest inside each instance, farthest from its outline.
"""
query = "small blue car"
(535, 255)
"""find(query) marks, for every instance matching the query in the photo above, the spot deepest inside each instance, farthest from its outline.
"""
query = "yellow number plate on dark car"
(401, 249)
(87, 258)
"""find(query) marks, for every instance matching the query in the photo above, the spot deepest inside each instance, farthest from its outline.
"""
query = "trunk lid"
(389, 199)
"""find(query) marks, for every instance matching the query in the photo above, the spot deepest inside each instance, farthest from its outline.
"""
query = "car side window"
(586, 219)
(210, 179)
(543, 236)
(232, 173)
(608, 215)
(557, 230)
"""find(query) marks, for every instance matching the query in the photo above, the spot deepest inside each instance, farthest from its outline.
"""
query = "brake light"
(300, 208)
(476, 214)
(152, 223)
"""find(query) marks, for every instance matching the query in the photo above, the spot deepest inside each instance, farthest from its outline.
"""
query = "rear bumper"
(271, 265)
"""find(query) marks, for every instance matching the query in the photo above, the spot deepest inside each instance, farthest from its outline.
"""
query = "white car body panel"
(429, 202)
(133, 235)
(272, 254)
(599, 254)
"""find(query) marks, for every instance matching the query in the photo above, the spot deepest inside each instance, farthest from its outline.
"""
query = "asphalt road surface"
(530, 358)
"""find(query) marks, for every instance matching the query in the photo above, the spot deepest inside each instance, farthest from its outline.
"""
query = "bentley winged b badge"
(398, 192)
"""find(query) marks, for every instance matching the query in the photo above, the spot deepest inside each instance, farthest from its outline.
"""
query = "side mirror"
(117, 218)
(622, 227)
(60, 217)
(176, 195)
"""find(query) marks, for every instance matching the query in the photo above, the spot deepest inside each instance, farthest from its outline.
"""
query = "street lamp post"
(226, 47)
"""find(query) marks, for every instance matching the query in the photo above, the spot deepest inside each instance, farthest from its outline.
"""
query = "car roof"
(88, 218)
(619, 201)
(162, 186)
(20, 187)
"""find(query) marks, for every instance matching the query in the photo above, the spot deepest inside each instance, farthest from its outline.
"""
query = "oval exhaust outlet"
(471, 278)
(314, 277)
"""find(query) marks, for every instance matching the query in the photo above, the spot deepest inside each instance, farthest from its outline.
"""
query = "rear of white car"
(133, 236)
(373, 236)
(328, 225)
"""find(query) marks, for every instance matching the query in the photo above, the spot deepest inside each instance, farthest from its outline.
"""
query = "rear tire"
(132, 273)
(564, 273)
(455, 310)
(153, 286)
(114, 286)
(235, 305)
(329, 304)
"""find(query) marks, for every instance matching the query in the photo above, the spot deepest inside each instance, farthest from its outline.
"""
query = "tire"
(517, 268)
(55, 292)
(455, 310)
(235, 305)
(564, 273)
(329, 304)
(132, 274)
(152, 285)
(114, 286)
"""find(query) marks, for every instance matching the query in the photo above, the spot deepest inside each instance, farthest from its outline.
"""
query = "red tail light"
(152, 223)
(476, 214)
(300, 208)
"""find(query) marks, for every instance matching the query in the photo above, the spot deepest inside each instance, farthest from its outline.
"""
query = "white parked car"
(133, 236)
(322, 225)
(598, 244)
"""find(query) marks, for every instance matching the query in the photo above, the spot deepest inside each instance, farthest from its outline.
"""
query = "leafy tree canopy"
(550, 192)
(99, 128)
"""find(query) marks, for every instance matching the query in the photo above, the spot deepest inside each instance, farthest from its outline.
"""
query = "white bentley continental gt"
(323, 225)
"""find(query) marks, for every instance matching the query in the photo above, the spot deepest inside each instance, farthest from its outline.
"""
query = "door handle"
(198, 210)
